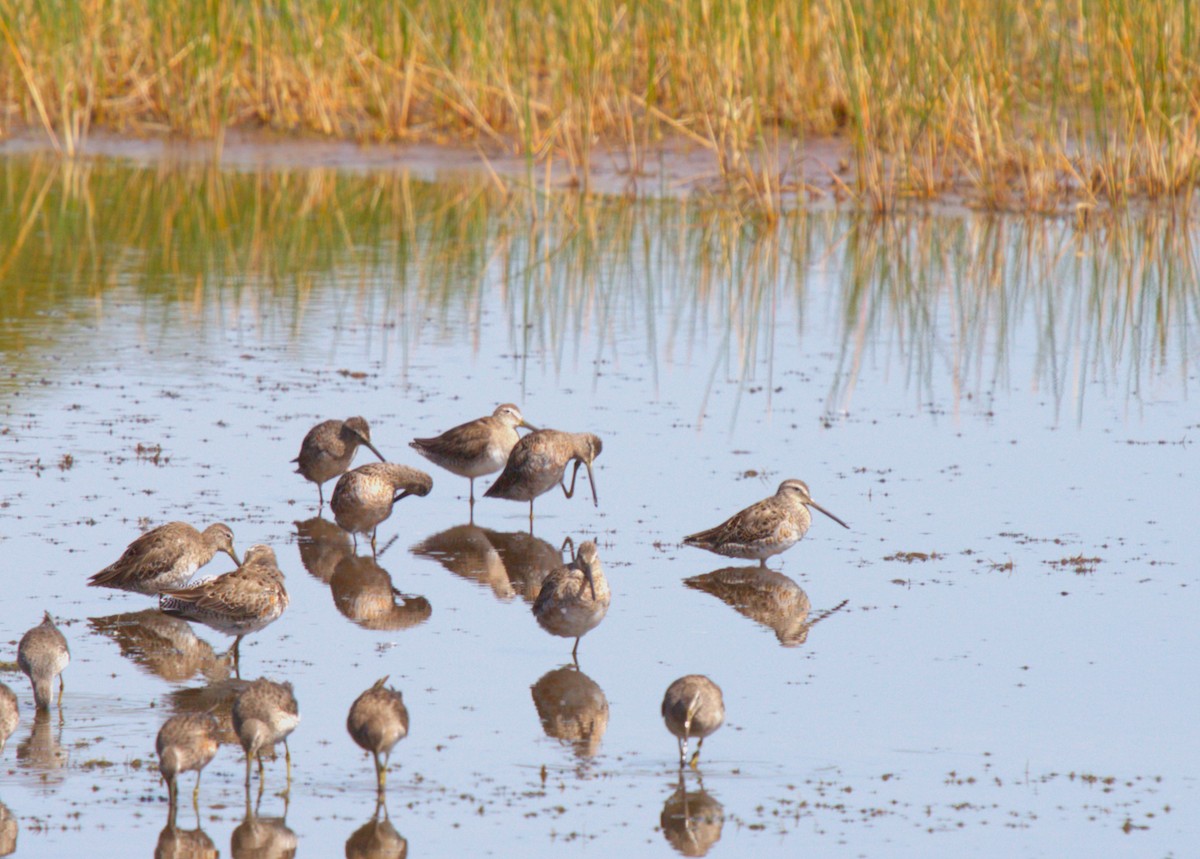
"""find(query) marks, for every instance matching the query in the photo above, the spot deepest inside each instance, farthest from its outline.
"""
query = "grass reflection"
(956, 304)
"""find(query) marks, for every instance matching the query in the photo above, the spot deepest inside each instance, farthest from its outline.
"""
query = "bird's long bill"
(827, 513)
(587, 574)
(236, 559)
(374, 450)
(592, 483)
(527, 425)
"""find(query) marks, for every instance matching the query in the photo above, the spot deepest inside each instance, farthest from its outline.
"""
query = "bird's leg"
(237, 668)
(60, 690)
(287, 756)
(171, 792)
(530, 517)
(682, 752)
(762, 562)
(562, 481)
(373, 552)
(320, 498)
(696, 757)
(574, 652)
(248, 773)
(196, 793)
(380, 773)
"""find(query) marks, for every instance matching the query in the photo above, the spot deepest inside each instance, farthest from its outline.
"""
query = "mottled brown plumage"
(574, 599)
(264, 714)
(10, 714)
(43, 654)
(185, 742)
(239, 602)
(329, 448)
(766, 528)
(476, 448)
(378, 720)
(165, 557)
(693, 707)
(539, 462)
(364, 497)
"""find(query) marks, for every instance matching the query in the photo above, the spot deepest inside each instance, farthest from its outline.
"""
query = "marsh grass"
(1035, 105)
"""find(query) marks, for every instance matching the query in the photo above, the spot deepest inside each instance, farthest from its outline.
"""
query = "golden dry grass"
(1033, 105)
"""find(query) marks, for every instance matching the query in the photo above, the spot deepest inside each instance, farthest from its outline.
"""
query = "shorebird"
(42, 655)
(237, 603)
(378, 720)
(364, 497)
(574, 599)
(264, 713)
(476, 448)
(10, 714)
(165, 557)
(766, 528)
(185, 742)
(539, 462)
(692, 707)
(328, 449)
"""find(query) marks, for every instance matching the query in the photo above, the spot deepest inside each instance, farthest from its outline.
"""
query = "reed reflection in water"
(941, 297)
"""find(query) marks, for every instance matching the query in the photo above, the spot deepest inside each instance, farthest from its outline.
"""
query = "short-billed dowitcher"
(693, 707)
(364, 497)
(574, 598)
(10, 714)
(328, 449)
(237, 603)
(264, 714)
(42, 655)
(476, 448)
(165, 557)
(378, 720)
(185, 742)
(766, 528)
(540, 460)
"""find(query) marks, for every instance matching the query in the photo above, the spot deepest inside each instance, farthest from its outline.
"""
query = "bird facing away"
(477, 447)
(185, 742)
(42, 655)
(265, 713)
(165, 557)
(10, 714)
(539, 462)
(237, 603)
(378, 720)
(364, 497)
(328, 449)
(766, 528)
(692, 707)
(574, 599)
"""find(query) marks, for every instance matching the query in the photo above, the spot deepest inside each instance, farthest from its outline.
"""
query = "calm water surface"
(998, 658)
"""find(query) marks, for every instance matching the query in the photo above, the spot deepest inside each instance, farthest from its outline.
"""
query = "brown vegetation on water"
(1027, 105)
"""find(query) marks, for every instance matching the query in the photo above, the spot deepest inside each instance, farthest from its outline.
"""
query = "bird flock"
(573, 599)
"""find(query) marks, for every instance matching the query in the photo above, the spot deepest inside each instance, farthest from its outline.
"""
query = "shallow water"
(997, 657)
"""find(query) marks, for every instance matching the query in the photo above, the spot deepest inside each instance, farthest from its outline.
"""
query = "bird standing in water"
(43, 654)
(476, 448)
(264, 714)
(539, 462)
(165, 557)
(185, 742)
(329, 448)
(364, 497)
(575, 598)
(378, 720)
(693, 707)
(766, 528)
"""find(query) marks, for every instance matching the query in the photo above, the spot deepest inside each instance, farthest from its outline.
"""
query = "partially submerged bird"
(378, 720)
(539, 462)
(264, 714)
(574, 598)
(237, 603)
(766, 528)
(10, 714)
(185, 742)
(693, 707)
(42, 655)
(364, 497)
(329, 448)
(165, 557)
(476, 448)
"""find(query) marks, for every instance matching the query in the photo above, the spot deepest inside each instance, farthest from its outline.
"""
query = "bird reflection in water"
(692, 820)
(322, 544)
(262, 837)
(176, 843)
(163, 645)
(215, 698)
(573, 709)
(42, 750)
(508, 563)
(377, 838)
(363, 592)
(8, 831)
(765, 596)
